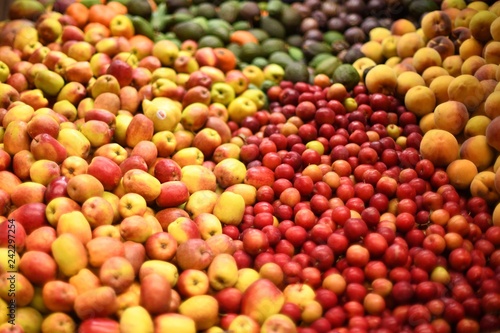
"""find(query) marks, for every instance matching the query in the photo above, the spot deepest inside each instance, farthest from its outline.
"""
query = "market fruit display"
(238, 166)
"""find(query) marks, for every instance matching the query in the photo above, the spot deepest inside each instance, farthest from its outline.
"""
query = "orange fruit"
(79, 13)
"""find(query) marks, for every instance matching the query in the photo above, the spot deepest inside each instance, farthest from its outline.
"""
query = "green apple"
(4, 72)
(274, 73)
(222, 93)
(49, 82)
(241, 107)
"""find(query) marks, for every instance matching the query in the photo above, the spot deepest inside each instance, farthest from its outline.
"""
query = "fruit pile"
(226, 166)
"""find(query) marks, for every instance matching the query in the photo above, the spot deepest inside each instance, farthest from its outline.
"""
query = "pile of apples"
(153, 188)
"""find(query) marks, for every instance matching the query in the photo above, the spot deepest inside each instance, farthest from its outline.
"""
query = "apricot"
(436, 23)
(408, 80)
(486, 72)
(452, 14)
(389, 46)
(426, 123)
(440, 88)
(451, 116)
(491, 52)
(493, 133)
(495, 29)
(489, 86)
(381, 79)
(408, 44)
(495, 217)
(373, 50)
(402, 26)
(459, 4)
(403, 67)
(478, 5)
(433, 72)
(464, 17)
(440, 147)
(443, 45)
(393, 61)
(477, 150)
(425, 58)
(483, 186)
(420, 100)
(453, 64)
(377, 34)
(466, 89)
(472, 64)
(480, 25)
(458, 36)
(461, 172)
(470, 47)
(476, 126)
(498, 74)
(363, 63)
(495, 8)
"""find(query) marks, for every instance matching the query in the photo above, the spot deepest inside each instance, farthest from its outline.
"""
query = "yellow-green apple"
(65, 109)
(30, 215)
(121, 25)
(135, 253)
(237, 204)
(246, 276)
(248, 192)
(59, 296)
(161, 246)
(278, 323)
(18, 111)
(194, 254)
(155, 294)
(165, 143)
(73, 166)
(81, 51)
(220, 125)
(34, 97)
(97, 132)
(99, 63)
(163, 87)
(49, 82)
(45, 146)
(299, 293)
(16, 137)
(141, 182)
(193, 282)
(4, 72)
(99, 325)
(114, 200)
(203, 309)
(79, 71)
(76, 224)
(107, 230)
(183, 229)
(237, 80)
(257, 96)
(166, 170)
(175, 322)
(59, 67)
(8, 95)
(43, 124)
(98, 302)
(166, 51)
(139, 129)
(75, 142)
(223, 271)
(84, 186)
(188, 156)
(29, 318)
(106, 171)
(254, 74)
(173, 193)
(69, 253)
(207, 140)
(122, 122)
(163, 73)
(131, 204)
(199, 202)
(243, 323)
(117, 273)
(27, 192)
(205, 56)
(97, 211)
(84, 280)
(261, 300)
(112, 151)
(34, 69)
(24, 289)
(59, 206)
(274, 73)
(198, 177)
(41, 239)
(73, 92)
(101, 248)
(135, 228)
(105, 83)
(136, 319)
(241, 107)
(58, 322)
(168, 270)
(222, 92)
(208, 224)
(230, 171)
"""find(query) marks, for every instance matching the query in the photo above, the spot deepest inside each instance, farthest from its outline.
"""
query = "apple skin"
(106, 171)
(161, 246)
(260, 292)
(13, 231)
(31, 216)
(56, 188)
(99, 325)
(194, 254)
(155, 294)
(173, 193)
(259, 176)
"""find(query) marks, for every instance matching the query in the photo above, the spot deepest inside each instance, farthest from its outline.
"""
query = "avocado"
(249, 51)
(273, 27)
(291, 18)
(249, 11)
(188, 30)
(140, 8)
(296, 72)
(260, 34)
(228, 11)
(272, 45)
(347, 75)
(281, 58)
(210, 41)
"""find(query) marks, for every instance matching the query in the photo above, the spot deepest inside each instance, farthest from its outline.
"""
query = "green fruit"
(249, 51)
(242, 25)
(314, 62)
(220, 31)
(217, 22)
(90, 3)
(418, 8)
(267, 84)
(49, 82)
(296, 53)
(327, 66)
(313, 48)
(273, 27)
(332, 36)
(228, 11)
(281, 58)
(260, 62)
(272, 45)
(140, 8)
(26, 9)
(297, 72)
(249, 11)
(207, 10)
(210, 41)
(347, 75)
(274, 8)
(291, 18)
(260, 34)
(235, 48)
(182, 17)
(142, 26)
(188, 30)
(295, 40)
